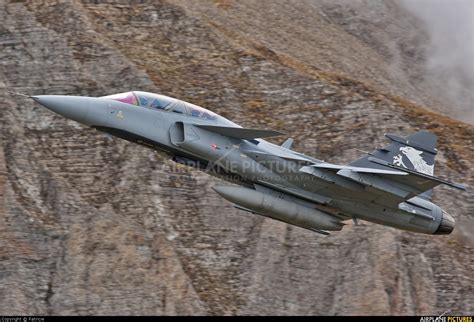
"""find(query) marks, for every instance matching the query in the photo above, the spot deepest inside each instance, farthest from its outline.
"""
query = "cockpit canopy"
(161, 102)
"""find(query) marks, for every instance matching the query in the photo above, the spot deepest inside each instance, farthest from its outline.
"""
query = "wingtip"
(460, 186)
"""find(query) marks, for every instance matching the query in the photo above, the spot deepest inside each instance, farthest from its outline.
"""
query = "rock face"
(90, 224)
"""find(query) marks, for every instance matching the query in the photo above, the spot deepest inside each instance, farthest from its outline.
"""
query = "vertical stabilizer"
(415, 152)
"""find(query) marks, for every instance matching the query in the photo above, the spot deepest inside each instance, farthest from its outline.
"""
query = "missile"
(278, 208)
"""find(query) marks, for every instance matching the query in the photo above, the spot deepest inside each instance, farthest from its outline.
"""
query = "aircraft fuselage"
(269, 174)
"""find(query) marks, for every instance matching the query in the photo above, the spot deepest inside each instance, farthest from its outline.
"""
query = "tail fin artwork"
(415, 152)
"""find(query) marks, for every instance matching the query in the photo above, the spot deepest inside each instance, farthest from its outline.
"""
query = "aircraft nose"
(73, 107)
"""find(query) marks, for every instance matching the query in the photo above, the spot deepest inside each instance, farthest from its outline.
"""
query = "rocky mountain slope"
(90, 224)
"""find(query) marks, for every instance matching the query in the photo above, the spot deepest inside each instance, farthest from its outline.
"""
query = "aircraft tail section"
(414, 152)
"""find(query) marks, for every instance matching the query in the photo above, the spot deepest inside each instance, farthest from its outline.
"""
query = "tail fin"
(415, 152)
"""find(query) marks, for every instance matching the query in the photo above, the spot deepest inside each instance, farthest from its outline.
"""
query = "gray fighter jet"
(389, 186)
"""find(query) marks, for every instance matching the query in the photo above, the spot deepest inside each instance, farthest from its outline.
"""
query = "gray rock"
(94, 225)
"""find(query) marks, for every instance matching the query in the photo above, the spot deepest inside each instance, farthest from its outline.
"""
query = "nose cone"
(446, 226)
(226, 192)
(73, 107)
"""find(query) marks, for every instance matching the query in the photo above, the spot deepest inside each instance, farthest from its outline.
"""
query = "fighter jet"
(389, 186)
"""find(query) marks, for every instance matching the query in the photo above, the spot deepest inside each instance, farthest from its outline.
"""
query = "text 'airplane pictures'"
(389, 186)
